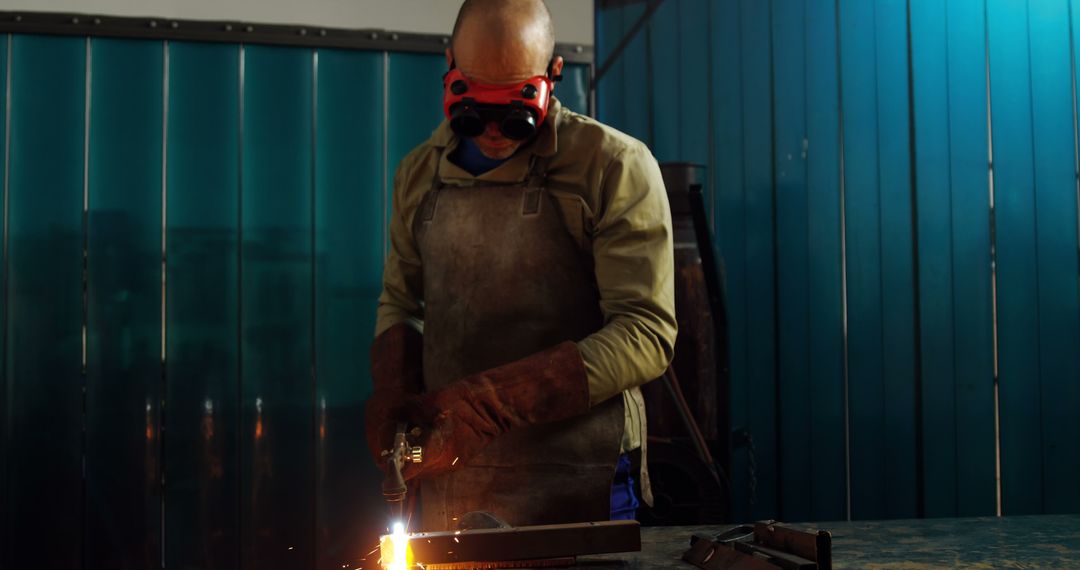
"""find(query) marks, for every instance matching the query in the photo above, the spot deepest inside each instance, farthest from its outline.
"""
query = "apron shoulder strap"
(431, 198)
(538, 166)
(534, 185)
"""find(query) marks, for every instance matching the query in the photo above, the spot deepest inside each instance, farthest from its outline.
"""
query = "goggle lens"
(469, 120)
(518, 124)
(466, 121)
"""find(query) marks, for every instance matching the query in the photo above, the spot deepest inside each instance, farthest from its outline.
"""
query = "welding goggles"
(519, 109)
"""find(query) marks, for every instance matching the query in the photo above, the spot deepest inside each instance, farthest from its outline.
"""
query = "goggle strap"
(550, 67)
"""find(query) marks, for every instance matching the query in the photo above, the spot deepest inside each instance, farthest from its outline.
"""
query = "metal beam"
(84, 25)
(604, 4)
(650, 9)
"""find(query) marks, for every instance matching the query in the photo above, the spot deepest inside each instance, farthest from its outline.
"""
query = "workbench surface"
(1045, 541)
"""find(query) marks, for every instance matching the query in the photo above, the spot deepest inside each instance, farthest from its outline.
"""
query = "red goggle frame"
(519, 109)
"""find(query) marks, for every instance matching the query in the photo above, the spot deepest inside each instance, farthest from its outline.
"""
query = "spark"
(400, 549)
(455, 461)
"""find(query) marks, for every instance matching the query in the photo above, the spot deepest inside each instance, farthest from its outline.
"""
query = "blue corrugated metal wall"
(894, 192)
(193, 239)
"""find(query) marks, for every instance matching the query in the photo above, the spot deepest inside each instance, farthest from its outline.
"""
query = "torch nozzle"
(393, 485)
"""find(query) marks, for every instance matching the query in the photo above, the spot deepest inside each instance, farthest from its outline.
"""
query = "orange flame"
(395, 552)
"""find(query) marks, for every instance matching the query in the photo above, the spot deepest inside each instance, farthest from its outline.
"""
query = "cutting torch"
(393, 486)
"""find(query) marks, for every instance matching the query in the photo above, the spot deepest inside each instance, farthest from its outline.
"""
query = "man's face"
(485, 61)
(494, 145)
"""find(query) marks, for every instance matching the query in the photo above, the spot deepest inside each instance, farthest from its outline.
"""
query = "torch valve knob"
(416, 454)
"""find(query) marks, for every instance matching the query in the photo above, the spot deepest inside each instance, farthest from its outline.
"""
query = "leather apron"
(504, 279)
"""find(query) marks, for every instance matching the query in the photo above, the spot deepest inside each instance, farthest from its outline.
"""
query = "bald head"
(510, 34)
(503, 42)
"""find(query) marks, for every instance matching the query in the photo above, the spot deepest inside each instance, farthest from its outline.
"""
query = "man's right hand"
(397, 375)
(381, 418)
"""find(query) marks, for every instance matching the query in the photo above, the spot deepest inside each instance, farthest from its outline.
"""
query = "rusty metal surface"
(502, 565)
(1044, 541)
(525, 543)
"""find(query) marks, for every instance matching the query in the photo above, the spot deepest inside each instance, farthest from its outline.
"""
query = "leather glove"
(461, 418)
(397, 375)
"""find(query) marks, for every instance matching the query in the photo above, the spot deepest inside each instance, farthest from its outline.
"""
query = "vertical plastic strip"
(44, 301)
(1017, 284)
(1055, 233)
(930, 56)
(277, 473)
(792, 258)
(899, 358)
(825, 354)
(349, 259)
(862, 206)
(202, 301)
(972, 297)
(5, 391)
(727, 163)
(123, 304)
(760, 243)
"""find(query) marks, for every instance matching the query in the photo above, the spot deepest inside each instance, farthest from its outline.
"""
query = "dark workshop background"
(246, 187)
(194, 232)
(894, 193)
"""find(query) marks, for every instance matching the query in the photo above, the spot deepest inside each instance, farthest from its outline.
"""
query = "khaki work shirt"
(612, 198)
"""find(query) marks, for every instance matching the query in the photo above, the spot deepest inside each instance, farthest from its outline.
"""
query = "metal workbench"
(1045, 541)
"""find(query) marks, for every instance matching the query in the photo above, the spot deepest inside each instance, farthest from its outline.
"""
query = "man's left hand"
(462, 418)
(448, 442)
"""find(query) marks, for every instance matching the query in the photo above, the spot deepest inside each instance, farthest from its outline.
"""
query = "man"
(527, 294)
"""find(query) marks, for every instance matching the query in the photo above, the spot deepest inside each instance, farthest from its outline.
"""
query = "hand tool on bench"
(767, 545)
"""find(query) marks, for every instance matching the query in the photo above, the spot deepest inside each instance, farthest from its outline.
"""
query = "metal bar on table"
(526, 542)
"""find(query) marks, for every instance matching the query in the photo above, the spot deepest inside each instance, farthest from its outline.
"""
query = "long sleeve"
(402, 275)
(632, 247)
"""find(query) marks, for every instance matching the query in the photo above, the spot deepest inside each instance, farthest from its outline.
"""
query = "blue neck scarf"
(468, 156)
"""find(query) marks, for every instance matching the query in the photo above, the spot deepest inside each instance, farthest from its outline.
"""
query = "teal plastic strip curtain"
(193, 245)
(893, 188)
